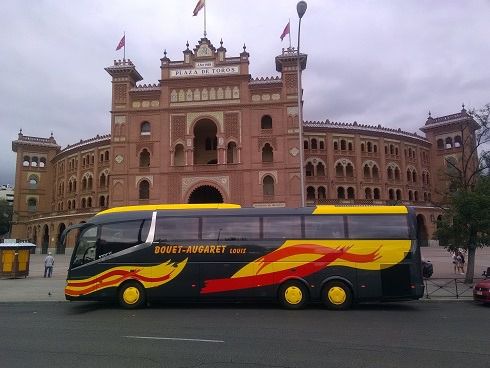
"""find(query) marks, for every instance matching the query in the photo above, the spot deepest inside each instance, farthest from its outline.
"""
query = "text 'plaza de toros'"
(209, 132)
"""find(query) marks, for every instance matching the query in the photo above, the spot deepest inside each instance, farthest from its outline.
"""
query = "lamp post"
(301, 9)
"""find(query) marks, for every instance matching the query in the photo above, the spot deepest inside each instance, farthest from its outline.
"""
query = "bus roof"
(161, 207)
(318, 210)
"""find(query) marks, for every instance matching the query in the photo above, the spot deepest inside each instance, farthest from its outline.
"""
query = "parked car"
(481, 291)
(427, 268)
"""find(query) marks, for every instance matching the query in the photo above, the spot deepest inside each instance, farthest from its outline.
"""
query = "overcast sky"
(382, 62)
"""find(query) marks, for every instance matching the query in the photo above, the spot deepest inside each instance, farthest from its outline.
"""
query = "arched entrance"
(45, 243)
(60, 249)
(205, 194)
(422, 237)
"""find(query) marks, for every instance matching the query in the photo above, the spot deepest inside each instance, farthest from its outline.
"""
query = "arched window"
(369, 147)
(89, 202)
(397, 173)
(440, 144)
(84, 203)
(449, 142)
(35, 162)
(33, 180)
(84, 183)
(268, 185)
(106, 155)
(457, 141)
(42, 162)
(416, 195)
(90, 182)
(398, 195)
(367, 172)
(390, 173)
(26, 161)
(414, 176)
(231, 153)
(102, 201)
(375, 148)
(266, 122)
(32, 204)
(320, 169)
(349, 170)
(362, 147)
(145, 158)
(350, 193)
(179, 158)
(391, 194)
(145, 128)
(267, 153)
(305, 144)
(322, 145)
(392, 149)
(314, 144)
(410, 195)
(310, 193)
(340, 193)
(309, 169)
(102, 181)
(339, 170)
(343, 145)
(377, 194)
(368, 193)
(144, 189)
(375, 172)
(69, 205)
(350, 146)
(322, 193)
(409, 175)
(335, 145)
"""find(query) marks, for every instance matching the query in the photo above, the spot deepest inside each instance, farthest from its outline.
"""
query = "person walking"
(48, 265)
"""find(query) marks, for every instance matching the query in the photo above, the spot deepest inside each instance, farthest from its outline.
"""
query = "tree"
(5, 216)
(466, 220)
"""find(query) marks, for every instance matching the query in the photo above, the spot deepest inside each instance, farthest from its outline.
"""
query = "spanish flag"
(200, 4)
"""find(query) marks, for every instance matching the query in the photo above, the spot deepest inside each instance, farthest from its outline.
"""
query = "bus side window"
(176, 228)
(118, 236)
(230, 228)
(378, 227)
(282, 227)
(324, 227)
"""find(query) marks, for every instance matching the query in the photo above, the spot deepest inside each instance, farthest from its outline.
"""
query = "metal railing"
(448, 288)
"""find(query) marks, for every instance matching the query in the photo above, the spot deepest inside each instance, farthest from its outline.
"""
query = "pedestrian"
(461, 262)
(48, 265)
(455, 261)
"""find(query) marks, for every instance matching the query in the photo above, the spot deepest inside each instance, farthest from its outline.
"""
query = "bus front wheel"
(337, 295)
(293, 295)
(132, 295)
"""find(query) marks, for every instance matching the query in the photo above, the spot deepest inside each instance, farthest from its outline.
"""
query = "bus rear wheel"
(337, 295)
(293, 295)
(132, 295)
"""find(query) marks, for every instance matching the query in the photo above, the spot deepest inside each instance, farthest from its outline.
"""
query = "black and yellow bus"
(220, 252)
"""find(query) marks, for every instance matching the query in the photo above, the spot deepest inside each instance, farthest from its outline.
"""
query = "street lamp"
(301, 9)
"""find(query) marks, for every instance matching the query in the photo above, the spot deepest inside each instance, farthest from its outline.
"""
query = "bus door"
(82, 266)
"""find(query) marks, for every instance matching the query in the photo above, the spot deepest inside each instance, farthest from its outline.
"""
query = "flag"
(285, 32)
(122, 43)
(199, 6)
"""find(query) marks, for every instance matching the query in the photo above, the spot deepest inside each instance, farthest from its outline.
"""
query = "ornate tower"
(34, 186)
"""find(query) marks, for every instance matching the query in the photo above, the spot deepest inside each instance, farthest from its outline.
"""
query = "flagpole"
(124, 51)
(289, 33)
(204, 18)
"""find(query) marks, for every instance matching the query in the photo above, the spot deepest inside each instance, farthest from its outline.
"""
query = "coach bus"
(336, 255)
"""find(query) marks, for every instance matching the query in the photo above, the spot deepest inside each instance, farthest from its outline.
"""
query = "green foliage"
(466, 222)
(5, 216)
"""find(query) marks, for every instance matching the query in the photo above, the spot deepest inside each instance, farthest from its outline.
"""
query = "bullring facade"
(208, 132)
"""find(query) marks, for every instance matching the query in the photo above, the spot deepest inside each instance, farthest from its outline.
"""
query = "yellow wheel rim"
(337, 295)
(131, 295)
(293, 295)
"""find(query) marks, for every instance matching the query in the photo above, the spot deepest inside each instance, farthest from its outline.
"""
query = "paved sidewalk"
(37, 288)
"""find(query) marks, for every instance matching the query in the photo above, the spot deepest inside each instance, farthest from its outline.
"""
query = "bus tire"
(132, 295)
(337, 295)
(293, 295)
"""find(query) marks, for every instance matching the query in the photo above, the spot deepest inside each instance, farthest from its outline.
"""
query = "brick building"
(209, 132)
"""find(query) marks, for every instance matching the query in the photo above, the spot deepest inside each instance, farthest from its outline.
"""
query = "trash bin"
(14, 259)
